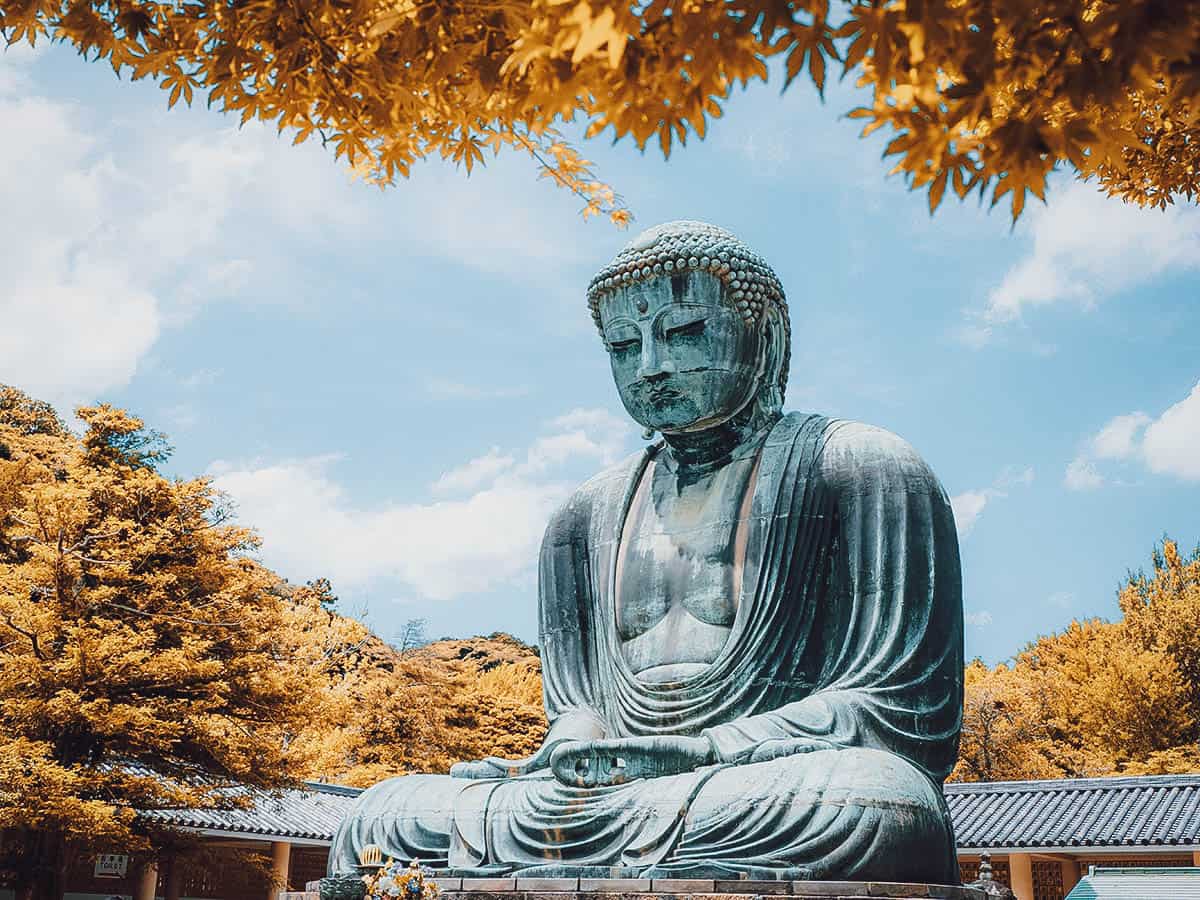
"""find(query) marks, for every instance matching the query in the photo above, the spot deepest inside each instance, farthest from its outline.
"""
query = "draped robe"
(834, 707)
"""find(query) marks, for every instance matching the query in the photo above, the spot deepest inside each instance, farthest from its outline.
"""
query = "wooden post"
(147, 883)
(1196, 857)
(281, 856)
(1020, 870)
(1070, 875)
(174, 886)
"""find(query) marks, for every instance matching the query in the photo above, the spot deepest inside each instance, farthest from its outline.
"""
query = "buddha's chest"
(679, 566)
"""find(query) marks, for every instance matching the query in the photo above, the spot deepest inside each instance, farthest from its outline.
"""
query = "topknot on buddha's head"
(685, 246)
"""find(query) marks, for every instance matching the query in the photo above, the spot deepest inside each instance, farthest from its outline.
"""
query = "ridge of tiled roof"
(329, 787)
(1106, 782)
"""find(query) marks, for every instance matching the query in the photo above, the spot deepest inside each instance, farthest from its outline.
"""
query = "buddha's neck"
(704, 451)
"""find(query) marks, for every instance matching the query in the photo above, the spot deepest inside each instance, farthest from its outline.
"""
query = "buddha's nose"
(654, 367)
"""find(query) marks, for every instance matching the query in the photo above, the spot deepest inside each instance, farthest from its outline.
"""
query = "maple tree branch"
(169, 618)
(32, 637)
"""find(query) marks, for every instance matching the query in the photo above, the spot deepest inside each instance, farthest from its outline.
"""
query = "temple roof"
(310, 813)
(1146, 811)
(1149, 811)
(1138, 884)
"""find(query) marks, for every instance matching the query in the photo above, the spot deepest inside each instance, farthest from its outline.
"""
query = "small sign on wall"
(111, 865)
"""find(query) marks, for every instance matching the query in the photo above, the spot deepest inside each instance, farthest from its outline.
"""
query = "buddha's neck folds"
(699, 452)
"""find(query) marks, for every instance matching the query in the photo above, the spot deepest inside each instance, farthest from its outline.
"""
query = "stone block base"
(679, 889)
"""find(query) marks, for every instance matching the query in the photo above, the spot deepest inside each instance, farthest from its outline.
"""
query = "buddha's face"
(682, 358)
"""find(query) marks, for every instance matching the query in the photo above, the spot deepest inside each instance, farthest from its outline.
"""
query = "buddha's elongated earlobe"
(774, 360)
(647, 434)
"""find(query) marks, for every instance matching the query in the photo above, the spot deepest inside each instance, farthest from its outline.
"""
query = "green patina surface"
(751, 632)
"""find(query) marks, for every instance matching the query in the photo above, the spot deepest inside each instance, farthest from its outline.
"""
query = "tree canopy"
(144, 662)
(1099, 698)
(987, 95)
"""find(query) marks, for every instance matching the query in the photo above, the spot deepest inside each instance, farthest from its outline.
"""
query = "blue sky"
(397, 387)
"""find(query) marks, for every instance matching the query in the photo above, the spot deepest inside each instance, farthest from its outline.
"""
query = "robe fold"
(834, 707)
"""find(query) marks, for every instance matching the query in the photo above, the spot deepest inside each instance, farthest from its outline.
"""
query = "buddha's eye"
(622, 336)
(687, 328)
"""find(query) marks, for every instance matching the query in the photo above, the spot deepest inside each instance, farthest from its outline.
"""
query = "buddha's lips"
(659, 391)
(662, 394)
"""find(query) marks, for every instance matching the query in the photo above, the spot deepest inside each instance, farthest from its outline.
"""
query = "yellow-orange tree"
(1098, 698)
(986, 94)
(143, 660)
(386, 712)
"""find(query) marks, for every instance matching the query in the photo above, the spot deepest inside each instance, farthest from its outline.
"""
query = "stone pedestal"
(689, 889)
(677, 889)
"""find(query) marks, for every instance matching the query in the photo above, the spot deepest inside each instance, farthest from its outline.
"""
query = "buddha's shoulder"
(852, 452)
(603, 489)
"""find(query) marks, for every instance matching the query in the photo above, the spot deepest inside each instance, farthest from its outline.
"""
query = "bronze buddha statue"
(751, 632)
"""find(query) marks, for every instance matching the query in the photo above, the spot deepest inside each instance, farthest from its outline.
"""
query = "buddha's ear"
(774, 355)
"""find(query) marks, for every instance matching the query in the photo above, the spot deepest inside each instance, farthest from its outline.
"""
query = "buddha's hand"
(780, 747)
(495, 767)
(617, 760)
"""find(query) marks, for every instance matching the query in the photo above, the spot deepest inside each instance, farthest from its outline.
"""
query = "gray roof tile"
(1158, 810)
(312, 813)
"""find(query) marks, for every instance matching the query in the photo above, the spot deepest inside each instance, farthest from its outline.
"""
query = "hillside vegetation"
(388, 712)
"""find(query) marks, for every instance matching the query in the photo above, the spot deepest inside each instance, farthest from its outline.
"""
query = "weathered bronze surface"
(751, 632)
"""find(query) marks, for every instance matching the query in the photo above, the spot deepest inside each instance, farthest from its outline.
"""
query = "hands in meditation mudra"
(751, 632)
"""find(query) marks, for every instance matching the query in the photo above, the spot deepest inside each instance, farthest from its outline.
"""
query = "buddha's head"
(696, 328)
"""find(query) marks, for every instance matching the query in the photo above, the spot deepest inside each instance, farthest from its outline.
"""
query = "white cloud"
(128, 227)
(14, 62)
(1082, 475)
(1087, 246)
(1168, 445)
(441, 547)
(75, 313)
(231, 276)
(580, 434)
(1171, 445)
(969, 505)
(116, 243)
(474, 473)
(1119, 438)
(980, 619)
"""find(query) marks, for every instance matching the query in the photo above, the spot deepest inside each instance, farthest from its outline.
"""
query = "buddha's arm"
(568, 661)
(566, 630)
(892, 679)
